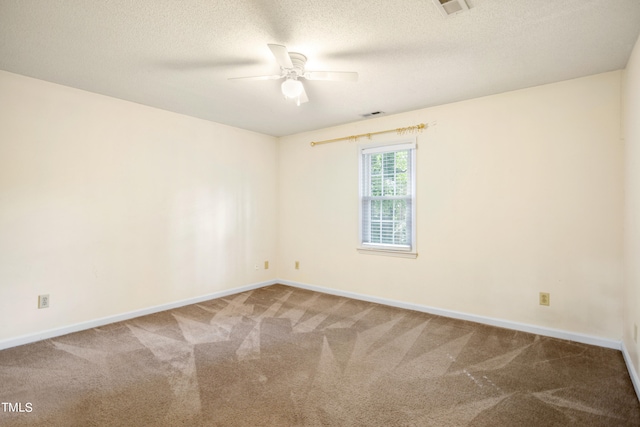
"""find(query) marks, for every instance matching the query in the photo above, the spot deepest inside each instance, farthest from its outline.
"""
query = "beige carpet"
(281, 356)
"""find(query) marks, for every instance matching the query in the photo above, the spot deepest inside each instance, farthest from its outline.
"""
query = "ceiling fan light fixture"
(291, 88)
(292, 68)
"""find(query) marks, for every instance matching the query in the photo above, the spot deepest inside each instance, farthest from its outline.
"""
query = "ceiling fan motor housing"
(298, 60)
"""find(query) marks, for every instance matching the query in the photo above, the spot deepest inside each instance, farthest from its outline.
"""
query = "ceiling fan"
(292, 69)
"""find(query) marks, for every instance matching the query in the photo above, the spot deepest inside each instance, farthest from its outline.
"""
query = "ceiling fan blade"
(342, 76)
(272, 77)
(303, 97)
(282, 55)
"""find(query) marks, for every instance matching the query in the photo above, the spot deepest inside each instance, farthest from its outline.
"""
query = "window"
(387, 198)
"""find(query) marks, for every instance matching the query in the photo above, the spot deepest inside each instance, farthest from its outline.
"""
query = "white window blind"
(387, 197)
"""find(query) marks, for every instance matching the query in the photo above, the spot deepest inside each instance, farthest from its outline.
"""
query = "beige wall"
(631, 129)
(518, 193)
(110, 206)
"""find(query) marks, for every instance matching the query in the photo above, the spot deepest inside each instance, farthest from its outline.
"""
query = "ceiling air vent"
(451, 7)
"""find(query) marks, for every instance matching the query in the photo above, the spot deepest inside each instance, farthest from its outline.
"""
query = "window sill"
(387, 252)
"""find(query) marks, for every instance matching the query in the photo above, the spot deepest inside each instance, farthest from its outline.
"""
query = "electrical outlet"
(297, 265)
(545, 299)
(266, 265)
(43, 301)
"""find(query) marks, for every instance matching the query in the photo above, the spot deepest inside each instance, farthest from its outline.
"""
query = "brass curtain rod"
(400, 131)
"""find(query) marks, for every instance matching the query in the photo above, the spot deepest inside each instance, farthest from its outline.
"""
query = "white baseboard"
(632, 370)
(538, 330)
(56, 332)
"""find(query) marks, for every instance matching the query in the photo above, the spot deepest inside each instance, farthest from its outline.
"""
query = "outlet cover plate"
(43, 301)
(545, 299)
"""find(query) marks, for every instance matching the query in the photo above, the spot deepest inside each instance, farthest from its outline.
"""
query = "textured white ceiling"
(178, 54)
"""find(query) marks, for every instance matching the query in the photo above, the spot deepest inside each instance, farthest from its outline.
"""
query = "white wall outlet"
(43, 301)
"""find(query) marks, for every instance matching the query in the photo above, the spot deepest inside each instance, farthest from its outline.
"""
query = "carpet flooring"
(282, 356)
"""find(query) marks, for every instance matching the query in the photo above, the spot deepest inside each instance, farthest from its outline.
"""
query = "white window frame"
(385, 147)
